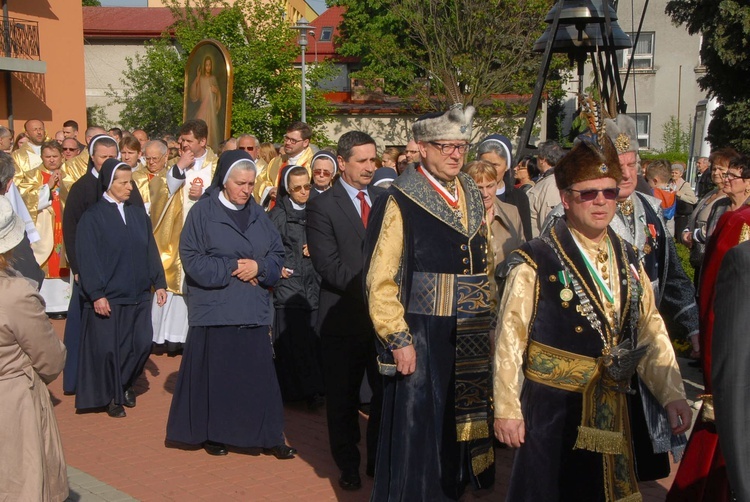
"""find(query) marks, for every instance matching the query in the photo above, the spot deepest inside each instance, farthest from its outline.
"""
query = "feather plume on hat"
(594, 156)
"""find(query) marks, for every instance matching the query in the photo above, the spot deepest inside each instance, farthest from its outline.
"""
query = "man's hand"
(161, 297)
(286, 273)
(680, 416)
(510, 431)
(54, 178)
(687, 238)
(305, 251)
(272, 193)
(246, 270)
(406, 359)
(195, 192)
(187, 158)
(101, 307)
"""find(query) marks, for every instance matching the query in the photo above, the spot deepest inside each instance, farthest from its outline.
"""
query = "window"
(326, 34)
(643, 53)
(643, 129)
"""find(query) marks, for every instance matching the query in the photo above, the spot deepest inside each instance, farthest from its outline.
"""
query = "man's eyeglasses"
(321, 172)
(306, 187)
(246, 148)
(448, 148)
(293, 141)
(74, 149)
(591, 194)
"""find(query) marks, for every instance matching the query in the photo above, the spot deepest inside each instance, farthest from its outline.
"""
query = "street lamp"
(303, 26)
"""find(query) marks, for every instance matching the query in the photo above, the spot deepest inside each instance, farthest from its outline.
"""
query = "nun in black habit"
(227, 392)
(84, 193)
(118, 264)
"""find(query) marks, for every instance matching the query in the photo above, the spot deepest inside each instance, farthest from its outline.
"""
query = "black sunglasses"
(591, 194)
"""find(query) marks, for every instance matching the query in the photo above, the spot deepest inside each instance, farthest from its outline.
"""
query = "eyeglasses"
(293, 141)
(730, 176)
(591, 194)
(74, 149)
(321, 172)
(306, 187)
(448, 149)
(246, 148)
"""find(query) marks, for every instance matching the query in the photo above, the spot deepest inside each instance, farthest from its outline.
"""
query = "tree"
(91, 3)
(266, 96)
(675, 138)
(440, 52)
(725, 53)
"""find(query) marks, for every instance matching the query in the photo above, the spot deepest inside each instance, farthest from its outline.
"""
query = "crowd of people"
(528, 301)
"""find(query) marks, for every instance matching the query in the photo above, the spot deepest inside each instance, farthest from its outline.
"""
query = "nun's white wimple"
(226, 176)
(112, 177)
(102, 136)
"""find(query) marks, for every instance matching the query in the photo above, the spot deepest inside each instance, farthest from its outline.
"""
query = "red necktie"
(364, 208)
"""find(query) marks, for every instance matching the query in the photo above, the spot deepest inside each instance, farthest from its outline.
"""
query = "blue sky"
(318, 5)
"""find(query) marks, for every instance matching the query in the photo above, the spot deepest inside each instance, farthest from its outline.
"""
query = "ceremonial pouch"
(386, 363)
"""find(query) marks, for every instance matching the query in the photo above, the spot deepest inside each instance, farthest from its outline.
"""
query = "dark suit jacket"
(335, 238)
(730, 370)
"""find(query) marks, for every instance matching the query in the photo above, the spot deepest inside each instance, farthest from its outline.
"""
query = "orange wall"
(61, 47)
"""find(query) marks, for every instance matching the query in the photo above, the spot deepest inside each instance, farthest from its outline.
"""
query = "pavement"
(126, 459)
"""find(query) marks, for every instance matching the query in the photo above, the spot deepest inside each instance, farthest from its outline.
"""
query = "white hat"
(11, 226)
(456, 123)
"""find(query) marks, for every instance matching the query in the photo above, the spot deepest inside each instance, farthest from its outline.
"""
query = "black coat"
(520, 200)
(302, 289)
(335, 236)
(84, 193)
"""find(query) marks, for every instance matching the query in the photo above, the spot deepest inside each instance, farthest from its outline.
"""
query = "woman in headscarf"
(324, 167)
(119, 264)
(498, 151)
(227, 392)
(32, 466)
(296, 297)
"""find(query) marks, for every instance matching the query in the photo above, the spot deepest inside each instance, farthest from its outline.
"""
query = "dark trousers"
(345, 362)
(72, 339)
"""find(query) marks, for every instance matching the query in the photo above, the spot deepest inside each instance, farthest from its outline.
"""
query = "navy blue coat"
(210, 245)
(117, 261)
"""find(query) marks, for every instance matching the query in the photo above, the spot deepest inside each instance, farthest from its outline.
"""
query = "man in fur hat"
(639, 221)
(578, 320)
(429, 300)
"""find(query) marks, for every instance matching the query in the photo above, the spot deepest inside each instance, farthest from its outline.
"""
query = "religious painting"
(208, 89)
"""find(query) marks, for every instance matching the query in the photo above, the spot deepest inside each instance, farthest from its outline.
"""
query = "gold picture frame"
(209, 80)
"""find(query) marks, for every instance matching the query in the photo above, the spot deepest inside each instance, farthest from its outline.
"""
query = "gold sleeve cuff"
(398, 340)
(516, 310)
(386, 311)
(658, 369)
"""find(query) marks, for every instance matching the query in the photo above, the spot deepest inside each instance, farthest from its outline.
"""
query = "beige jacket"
(506, 231)
(543, 198)
(32, 466)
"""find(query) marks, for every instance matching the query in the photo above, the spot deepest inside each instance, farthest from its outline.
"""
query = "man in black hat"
(578, 321)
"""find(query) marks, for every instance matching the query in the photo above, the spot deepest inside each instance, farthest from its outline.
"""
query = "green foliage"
(672, 157)
(262, 46)
(95, 116)
(91, 3)
(725, 53)
(153, 86)
(684, 254)
(675, 138)
(439, 52)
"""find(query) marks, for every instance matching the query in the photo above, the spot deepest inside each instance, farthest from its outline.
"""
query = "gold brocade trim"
(527, 258)
(558, 368)
(482, 462)
(635, 497)
(707, 410)
(600, 441)
(478, 429)
(744, 233)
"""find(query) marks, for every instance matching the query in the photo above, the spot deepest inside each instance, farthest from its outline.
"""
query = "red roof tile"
(126, 22)
(331, 18)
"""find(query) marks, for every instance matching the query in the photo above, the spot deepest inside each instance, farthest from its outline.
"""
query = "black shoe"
(58, 316)
(350, 480)
(115, 410)
(129, 398)
(216, 449)
(281, 451)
